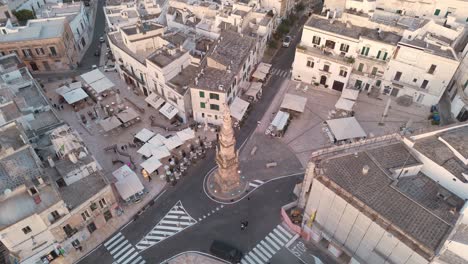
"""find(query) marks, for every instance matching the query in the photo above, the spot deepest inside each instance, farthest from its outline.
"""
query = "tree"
(24, 15)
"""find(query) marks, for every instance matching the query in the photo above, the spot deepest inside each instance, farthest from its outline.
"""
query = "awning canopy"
(151, 164)
(128, 115)
(154, 100)
(157, 140)
(173, 142)
(168, 110)
(255, 87)
(144, 135)
(146, 150)
(350, 94)
(128, 184)
(97, 81)
(72, 93)
(160, 152)
(346, 128)
(186, 134)
(261, 71)
(294, 102)
(344, 104)
(110, 123)
(280, 120)
(259, 75)
(238, 108)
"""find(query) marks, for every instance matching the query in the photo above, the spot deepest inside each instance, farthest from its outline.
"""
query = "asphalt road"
(262, 210)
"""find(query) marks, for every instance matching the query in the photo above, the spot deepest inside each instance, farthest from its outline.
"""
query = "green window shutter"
(367, 51)
(437, 12)
(202, 94)
(378, 54)
(385, 56)
(202, 105)
(363, 50)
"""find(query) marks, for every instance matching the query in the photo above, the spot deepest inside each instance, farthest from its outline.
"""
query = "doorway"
(34, 66)
(338, 86)
(323, 80)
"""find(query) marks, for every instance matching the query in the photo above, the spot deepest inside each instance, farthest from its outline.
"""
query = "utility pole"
(385, 113)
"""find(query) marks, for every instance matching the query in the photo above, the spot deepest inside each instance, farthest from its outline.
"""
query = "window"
(358, 84)
(201, 94)
(385, 56)
(326, 67)
(203, 115)
(102, 203)
(343, 73)
(344, 47)
(365, 51)
(424, 84)
(316, 40)
(27, 52)
(53, 51)
(202, 105)
(360, 67)
(374, 71)
(432, 69)
(55, 215)
(91, 227)
(214, 96)
(437, 12)
(85, 215)
(107, 215)
(69, 230)
(415, 80)
(378, 82)
(397, 76)
(26, 230)
(330, 44)
(93, 206)
(40, 51)
(310, 64)
(214, 107)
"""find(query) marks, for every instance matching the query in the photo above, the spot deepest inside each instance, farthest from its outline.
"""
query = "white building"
(386, 202)
(224, 73)
(458, 90)
(118, 16)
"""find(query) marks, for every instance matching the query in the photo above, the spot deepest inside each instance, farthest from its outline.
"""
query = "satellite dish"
(7, 191)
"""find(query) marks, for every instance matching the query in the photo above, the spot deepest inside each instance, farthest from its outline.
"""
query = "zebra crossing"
(280, 72)
(122, 251)
(176, 220)
(268, 247)
(256, 183)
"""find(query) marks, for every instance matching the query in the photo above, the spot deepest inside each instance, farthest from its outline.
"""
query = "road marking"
(272, 243)
(264, 251)
(284, 231)
(267, 247)
(257, 252)
(112, 239)
(255, 257)
(280, 235)
(122, 251)
(115, 243)
(277, 240)
(118, 247)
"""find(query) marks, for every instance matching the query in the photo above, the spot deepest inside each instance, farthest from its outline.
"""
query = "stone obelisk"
(227, 175)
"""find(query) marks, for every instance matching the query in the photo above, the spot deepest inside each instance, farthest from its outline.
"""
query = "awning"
(75, 95)
(92, 76)
(294, 102)
(128, 184)
(280, 120)
(154, 100)
(160, 152)
(261, 71)
(157, 140)
(151, 164)
(168, 110)
(186, 134)
(259, 75)
(255, 87)
(127, 115)
(344, 104)
(101, 85)
(346, 128)
(144, 135)
(173, 142)
(350, 94)
(97, 81)
(110, 123)
(238, 108)
(146, 150)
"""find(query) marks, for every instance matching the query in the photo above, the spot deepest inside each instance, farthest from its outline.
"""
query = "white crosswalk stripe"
(175, 221)
(122, 251)
(256, 183)
(280, 72)
(268, 247)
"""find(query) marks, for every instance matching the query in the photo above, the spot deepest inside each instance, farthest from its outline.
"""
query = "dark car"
(225, 251)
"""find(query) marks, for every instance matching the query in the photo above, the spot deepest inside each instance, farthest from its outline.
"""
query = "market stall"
(128, 184)
(292, 102)
(346, 129)
(238, 109)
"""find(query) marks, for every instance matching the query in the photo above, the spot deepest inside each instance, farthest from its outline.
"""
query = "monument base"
(230, 192)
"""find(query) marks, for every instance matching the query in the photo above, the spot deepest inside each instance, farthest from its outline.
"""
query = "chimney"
(365, 170)
(196, 80)
(334, 14)
(328, 14)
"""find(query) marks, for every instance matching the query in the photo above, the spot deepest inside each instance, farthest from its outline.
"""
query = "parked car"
(225, 251)
(109, 68)
(94, 67)
(287, 41)
(102, 40)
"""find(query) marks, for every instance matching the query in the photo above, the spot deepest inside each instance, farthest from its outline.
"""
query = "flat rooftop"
(185, 78)
(18, 168)
(145, 27)
(37, 29)
(10, 139)
(430, 48)
(412, 204)
(352, 31)
(79, 192)
(231, 49)
(116, 39)
(22, 205)
(165, 56)
(436, 150)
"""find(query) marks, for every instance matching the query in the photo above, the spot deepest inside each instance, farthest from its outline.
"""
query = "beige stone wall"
(65, 59)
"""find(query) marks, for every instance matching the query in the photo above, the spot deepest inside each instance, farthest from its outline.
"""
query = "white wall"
(211, 116)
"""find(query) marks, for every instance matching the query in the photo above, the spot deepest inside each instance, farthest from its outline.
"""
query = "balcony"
(322, 53)
(374, 59)
(132, 74)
